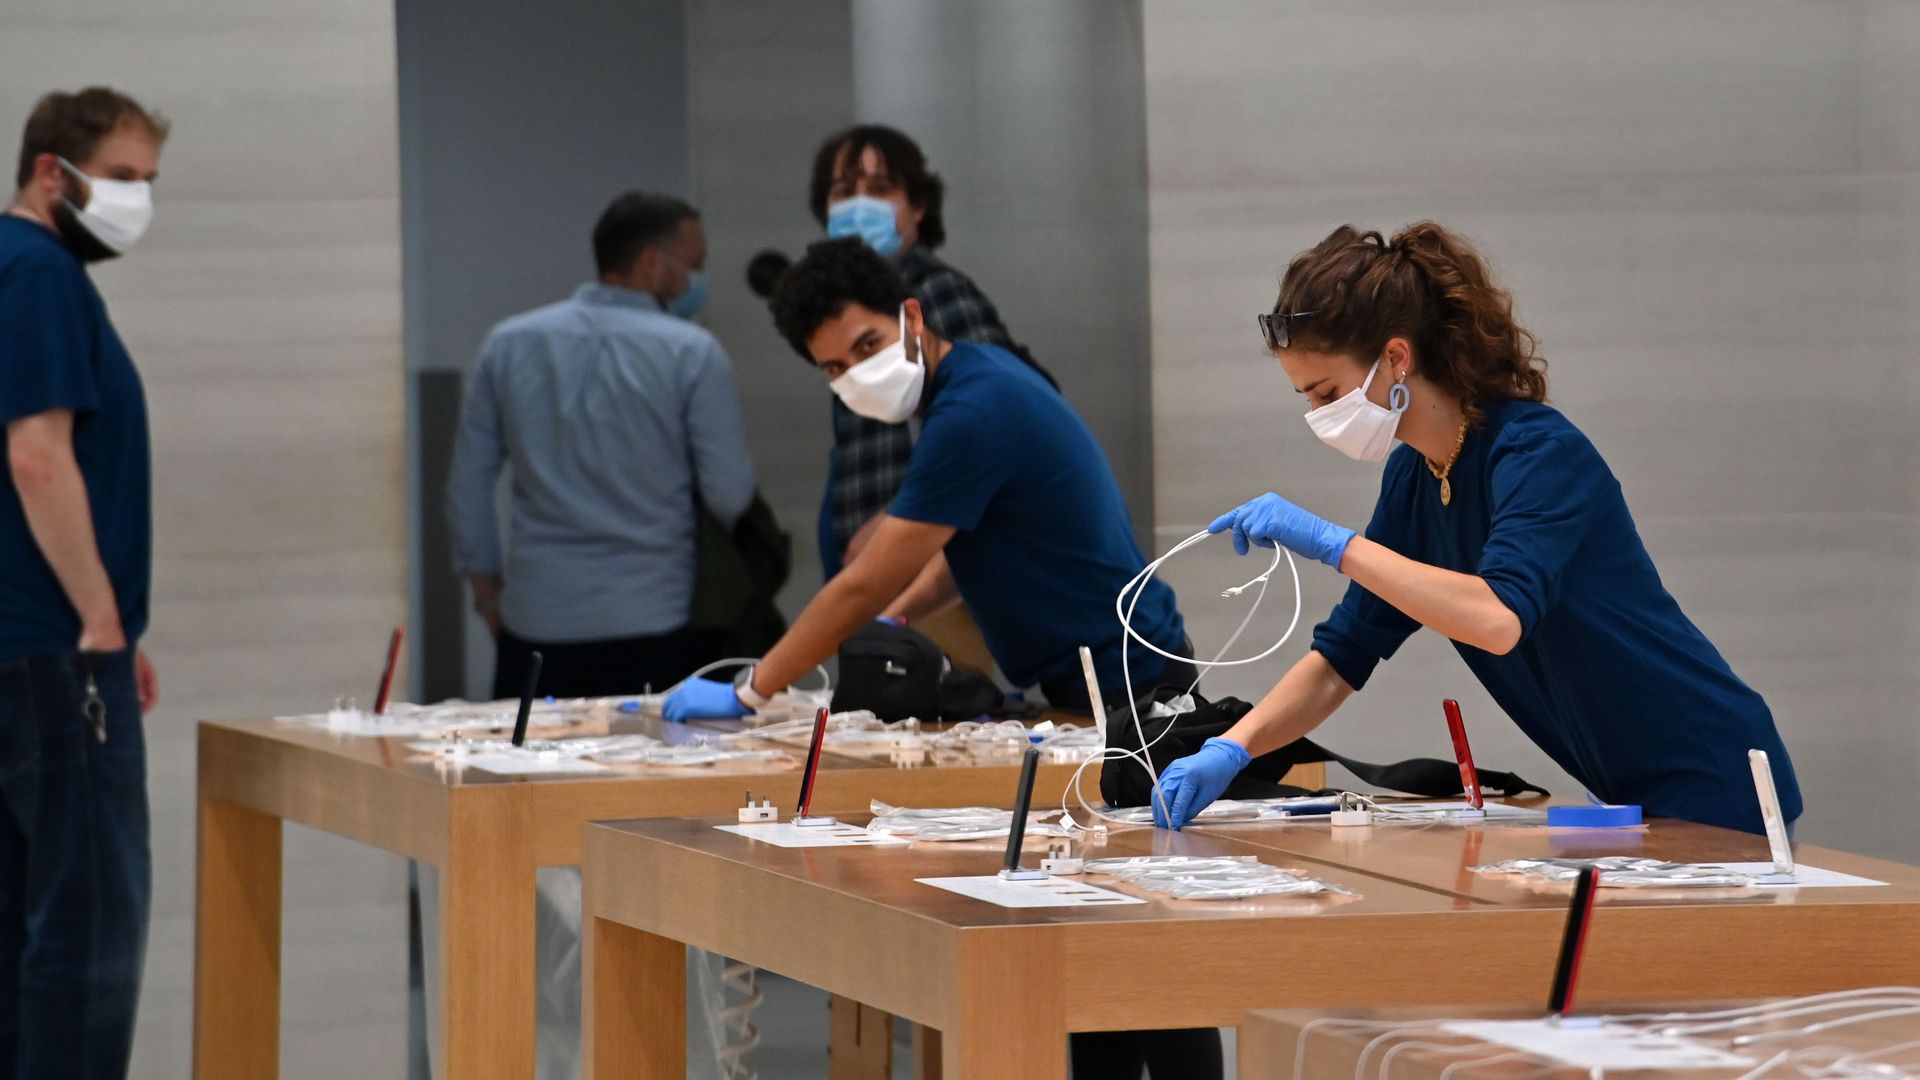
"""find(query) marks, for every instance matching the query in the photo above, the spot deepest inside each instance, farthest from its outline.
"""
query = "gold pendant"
(1446, 491)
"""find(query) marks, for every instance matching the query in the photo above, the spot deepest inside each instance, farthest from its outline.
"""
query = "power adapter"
(753, 812)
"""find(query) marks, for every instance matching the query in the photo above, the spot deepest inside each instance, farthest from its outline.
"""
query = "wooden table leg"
(634, 1003)
(926, 1053)
(1012, 1014)
(236, 978)
(487, 972)
(859, 1041)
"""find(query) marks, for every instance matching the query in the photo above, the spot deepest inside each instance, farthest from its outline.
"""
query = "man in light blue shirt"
(615, 414)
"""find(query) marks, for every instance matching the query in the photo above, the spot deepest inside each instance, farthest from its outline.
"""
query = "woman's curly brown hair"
(1427, 285)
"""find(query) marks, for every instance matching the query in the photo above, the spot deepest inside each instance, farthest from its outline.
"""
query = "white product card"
(1598, 1046)
(1804, 877)
(787, 834)
(509, 764)
(1034, 893)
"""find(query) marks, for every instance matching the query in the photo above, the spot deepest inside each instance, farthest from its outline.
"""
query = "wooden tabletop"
(1416, 927)
(1441, 855)
(1270, 1045)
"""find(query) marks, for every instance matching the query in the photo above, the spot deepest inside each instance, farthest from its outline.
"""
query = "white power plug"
(753, 812)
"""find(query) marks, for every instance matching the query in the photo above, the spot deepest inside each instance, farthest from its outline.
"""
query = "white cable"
(1515, 1055)
(1786, 1010)
(1748, 1010)
(826, 680)
(1829, 1025)
(1123, 610)
(736, 1019)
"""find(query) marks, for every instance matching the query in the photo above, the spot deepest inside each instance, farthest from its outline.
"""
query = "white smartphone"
(1770, 814)
(1093, 691)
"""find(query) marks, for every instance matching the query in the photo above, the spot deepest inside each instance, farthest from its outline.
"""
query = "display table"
(487, 835)
(1006, 985)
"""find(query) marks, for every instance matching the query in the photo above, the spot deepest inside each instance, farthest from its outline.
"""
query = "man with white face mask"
(1005, 480)
(873, 182)
(75, 560)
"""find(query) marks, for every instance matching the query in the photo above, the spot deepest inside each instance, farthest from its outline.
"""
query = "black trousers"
(606, 668)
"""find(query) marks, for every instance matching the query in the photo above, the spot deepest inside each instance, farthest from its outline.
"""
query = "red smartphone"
(1469, 778)
(386, 677)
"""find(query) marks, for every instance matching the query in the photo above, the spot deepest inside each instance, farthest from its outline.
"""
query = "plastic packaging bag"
(957, 823)
(1622, 871)
(1232, 877)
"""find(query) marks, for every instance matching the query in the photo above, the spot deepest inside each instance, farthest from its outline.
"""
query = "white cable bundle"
(736, 1018)
(1720, 1029)
(1123, 610)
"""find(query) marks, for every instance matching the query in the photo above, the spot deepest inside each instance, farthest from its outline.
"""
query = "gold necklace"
(1440, 471)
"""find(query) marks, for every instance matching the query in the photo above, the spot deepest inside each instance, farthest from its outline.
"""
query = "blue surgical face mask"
(688, 304)
(867, 217)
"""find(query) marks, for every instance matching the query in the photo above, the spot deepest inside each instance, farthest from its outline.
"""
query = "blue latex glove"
(704, 699)
(1271, 519)
(1191, 784)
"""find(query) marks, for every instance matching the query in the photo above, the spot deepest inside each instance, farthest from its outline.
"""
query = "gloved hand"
(703, 699)
(1271, 519)
(1190, 785)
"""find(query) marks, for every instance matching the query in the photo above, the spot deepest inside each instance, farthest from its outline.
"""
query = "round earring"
(1398, 396)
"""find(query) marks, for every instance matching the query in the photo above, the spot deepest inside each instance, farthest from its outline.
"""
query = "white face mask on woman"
(885, 386)
(1357, 427)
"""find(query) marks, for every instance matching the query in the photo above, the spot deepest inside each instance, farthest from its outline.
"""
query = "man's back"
(613, 415)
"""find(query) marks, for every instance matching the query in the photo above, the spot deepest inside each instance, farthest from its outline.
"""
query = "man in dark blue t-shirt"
(1005, 479)
(1009, 503)
(75, 558)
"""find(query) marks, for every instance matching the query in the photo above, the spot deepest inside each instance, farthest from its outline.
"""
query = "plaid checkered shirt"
(869, 460)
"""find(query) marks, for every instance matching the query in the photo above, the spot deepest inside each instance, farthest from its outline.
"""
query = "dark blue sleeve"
(1546, 491)
(959, 464)
(1364, 629)
(45, 361)
(829, 552)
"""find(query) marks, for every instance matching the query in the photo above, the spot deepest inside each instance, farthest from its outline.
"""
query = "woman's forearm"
(1461, 606)
(1302, 700)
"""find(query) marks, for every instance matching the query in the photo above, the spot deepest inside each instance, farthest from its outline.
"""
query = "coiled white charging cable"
(1123, 609)
(736, 1018)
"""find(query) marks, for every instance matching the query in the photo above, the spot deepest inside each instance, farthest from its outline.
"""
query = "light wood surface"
(237, 943)
(1270, 1046)
(1005, 985)
(487, 835)
(994, 981)
(1665, 944)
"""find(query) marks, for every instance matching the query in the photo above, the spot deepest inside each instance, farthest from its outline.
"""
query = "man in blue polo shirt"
(1005, 479)
(1009, 483)
(75, 543)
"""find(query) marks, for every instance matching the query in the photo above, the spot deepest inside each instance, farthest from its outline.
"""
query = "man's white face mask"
(1356, 426)
(885, 386)
(117, 212)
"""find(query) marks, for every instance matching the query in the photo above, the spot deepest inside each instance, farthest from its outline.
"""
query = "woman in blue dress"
(1498, 525)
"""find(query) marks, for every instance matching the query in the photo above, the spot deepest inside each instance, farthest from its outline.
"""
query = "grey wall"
(518, 123)
(1033, 113)
(264, 312)
(1707, 212)
(768, 80)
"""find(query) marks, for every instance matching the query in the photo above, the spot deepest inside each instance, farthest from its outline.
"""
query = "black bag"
(738, 573)
(895, 672)
(1125, 782)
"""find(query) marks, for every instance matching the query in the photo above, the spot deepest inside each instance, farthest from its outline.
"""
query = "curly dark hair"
(906, 165)
(831, 275)
(1426, 284)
